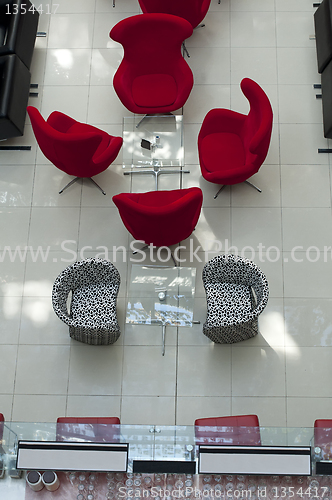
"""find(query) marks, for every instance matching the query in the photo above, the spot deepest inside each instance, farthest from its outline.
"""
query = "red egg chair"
(161, 218)
(193, 11)
(234, 430)
(75, 148)
(153, 76)
(94, 429)
(232, 146)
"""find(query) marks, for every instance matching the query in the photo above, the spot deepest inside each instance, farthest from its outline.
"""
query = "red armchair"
(153, 77)
(94, 429)
(232, 146)
(162, 218)
(75, 148)
(193, 11)
(234, 430)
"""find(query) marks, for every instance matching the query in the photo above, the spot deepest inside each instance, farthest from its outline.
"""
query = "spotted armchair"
(236, 293)
(94, 286)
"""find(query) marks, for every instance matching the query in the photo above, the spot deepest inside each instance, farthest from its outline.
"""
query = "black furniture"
(14, 95)
(326, 79)
(18, 29)
(323, 32)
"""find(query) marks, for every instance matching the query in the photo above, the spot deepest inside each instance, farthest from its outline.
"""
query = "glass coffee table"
(161, 295)
(153, 145)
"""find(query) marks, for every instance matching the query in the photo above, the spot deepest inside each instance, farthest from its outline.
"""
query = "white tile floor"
(284, 374)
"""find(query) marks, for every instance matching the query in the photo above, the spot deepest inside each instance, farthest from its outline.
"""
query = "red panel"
(323, 433)
(2, 419)
(93, 429)
(230, 430)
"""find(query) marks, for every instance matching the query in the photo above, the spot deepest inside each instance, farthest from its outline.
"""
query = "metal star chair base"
(147, 246)
(76, 179)
(185, 50)
(247, 182)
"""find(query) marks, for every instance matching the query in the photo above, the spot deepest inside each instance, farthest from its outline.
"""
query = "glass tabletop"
(154, 141)
(163, 295)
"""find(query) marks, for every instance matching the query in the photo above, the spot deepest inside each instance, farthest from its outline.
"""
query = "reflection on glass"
(161, 294)
(163, 146)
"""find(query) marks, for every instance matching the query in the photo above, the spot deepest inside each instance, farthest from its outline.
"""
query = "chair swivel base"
(152, 115)
(185, 50)
(147, 246)
(156, 172)
(247, 182)
(76, 179)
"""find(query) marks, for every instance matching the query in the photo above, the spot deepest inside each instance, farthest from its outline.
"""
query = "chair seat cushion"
(228, 303)
(222, 151)
(154, 90)
(94, 306)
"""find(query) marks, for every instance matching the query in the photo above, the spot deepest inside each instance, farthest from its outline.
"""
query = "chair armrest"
(60, 292)
(110, 153)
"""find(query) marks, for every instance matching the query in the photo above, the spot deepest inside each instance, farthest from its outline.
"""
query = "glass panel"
(174, 443)
(161, 294)
(161, 134)
(152, 442)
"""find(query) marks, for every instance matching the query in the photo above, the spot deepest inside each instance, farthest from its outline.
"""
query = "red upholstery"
(75, 148)
(2, 419)
(323, 436)
(95, 429)
(153, 77)
(233, 146)
(193, 11)
(233, 430)
(162, 218)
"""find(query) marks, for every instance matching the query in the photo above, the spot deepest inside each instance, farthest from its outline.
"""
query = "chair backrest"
(88, 272)
(258, 124)
(323, 433)
(230, 430)
(71, 153)
(94, 429)
(234, 269)
(193, 11)
(152, 42)
(163, 218)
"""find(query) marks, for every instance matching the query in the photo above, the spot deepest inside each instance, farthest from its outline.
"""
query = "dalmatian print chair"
(236, 293)
(94, 286)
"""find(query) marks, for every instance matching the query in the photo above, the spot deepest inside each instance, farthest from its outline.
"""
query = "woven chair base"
(231, 334)
(93, 336)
